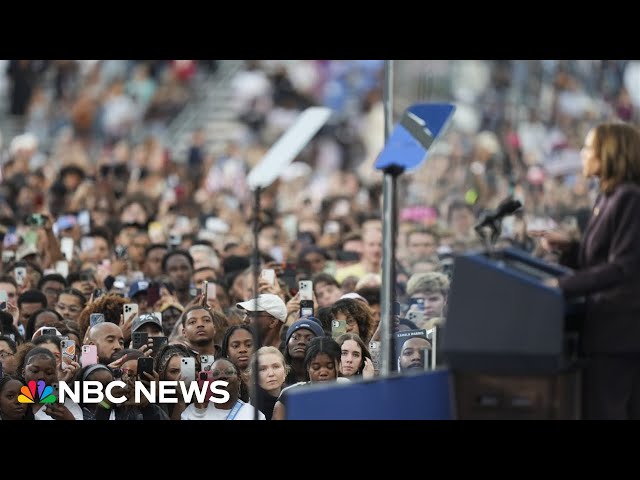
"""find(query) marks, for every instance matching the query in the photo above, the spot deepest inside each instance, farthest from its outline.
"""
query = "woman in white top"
(40, 364)
(233, 409)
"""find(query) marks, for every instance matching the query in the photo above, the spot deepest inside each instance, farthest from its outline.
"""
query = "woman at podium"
(607, 273)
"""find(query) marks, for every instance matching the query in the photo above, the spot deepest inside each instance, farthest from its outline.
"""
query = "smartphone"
(68, 348)
(347, 256)
(269, 275)
(374, 350)
(66, 247)
(8, 256)
(89, 355)
(416, 316)
(21, 275)
(153, 294)
(49, 331)
(62, 267)
(211, 290)
(139, 339)
(96, 318)
(158, 343)
(205, 289)
(84, 220)
(331, 227)
(128, 309)
(86, 244)
(205, 362)
(188, 368)
(35, 220)
(97, 293)
(3, 300)
(145, 364)
(175, 239)
(305, 288)
(289, 278)
(306, 308)
(338, 327)
(205, 376)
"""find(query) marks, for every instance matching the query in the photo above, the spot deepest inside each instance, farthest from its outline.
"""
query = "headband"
(93, 368)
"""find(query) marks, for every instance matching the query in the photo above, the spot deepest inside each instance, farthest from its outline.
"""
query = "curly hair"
(357, 310)
(109, 305)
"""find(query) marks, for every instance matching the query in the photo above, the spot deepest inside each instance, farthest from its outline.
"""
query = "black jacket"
(608, 273)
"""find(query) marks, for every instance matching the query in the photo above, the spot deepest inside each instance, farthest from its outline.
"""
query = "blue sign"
(418, 128)
(425, 396)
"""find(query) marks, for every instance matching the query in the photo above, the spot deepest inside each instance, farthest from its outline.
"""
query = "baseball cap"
(25, 251)
(310, 323)
(137, 287)
(267, 302)
(144, 319)
(354, 296)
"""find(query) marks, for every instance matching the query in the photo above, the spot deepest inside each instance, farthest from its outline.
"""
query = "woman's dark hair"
(31, 323)
(166, 353)
(365, 351)
(76, 293)
(44, 339)
(3, 383)
(359, 312)
(12, 345)
(318, 346)
(325, 316)
(129, 352)
(109, 305)
(224, 352)
(38, 352)
(7, 327)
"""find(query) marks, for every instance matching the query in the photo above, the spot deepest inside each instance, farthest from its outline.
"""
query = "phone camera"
(335, 323)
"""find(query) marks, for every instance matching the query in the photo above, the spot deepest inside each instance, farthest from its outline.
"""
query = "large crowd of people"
(106, 236)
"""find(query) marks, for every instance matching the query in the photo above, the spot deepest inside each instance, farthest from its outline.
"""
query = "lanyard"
(234, 411)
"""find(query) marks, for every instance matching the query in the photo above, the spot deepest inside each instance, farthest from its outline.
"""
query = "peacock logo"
(36, 393)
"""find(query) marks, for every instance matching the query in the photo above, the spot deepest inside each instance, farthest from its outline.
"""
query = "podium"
(501, 317)
(510, 340)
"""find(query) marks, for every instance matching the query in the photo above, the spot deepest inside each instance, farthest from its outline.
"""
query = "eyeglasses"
(4, 354)
(229, 372)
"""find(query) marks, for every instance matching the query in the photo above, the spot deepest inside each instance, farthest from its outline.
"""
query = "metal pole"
(389, 218)
(257, 341)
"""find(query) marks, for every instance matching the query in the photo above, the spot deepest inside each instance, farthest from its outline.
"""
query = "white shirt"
(73, 407)
(246, 412)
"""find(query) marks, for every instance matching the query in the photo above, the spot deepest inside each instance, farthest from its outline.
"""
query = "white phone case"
(188, 368)
(305, 287)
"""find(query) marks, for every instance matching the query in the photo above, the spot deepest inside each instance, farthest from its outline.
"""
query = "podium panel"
(502, 318)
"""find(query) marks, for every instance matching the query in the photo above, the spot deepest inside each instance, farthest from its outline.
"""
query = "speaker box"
(480, 396)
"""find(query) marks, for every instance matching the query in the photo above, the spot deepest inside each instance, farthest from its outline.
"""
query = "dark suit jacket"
(608, 274)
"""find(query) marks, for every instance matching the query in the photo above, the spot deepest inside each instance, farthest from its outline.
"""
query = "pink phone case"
(89, 355)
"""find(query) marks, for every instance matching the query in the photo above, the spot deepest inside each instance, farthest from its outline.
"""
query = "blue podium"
(502, 318)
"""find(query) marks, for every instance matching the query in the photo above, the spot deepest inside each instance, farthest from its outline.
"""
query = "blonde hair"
(428, 282)
(617, 146)
(266, 351)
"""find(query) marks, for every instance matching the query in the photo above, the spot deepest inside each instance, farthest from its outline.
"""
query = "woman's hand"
(552, 240)
(368, 371)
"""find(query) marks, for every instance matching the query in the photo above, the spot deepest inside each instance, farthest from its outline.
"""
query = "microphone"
(507, 207)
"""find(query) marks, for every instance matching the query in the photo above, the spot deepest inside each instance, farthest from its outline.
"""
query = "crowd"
(106, 237)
